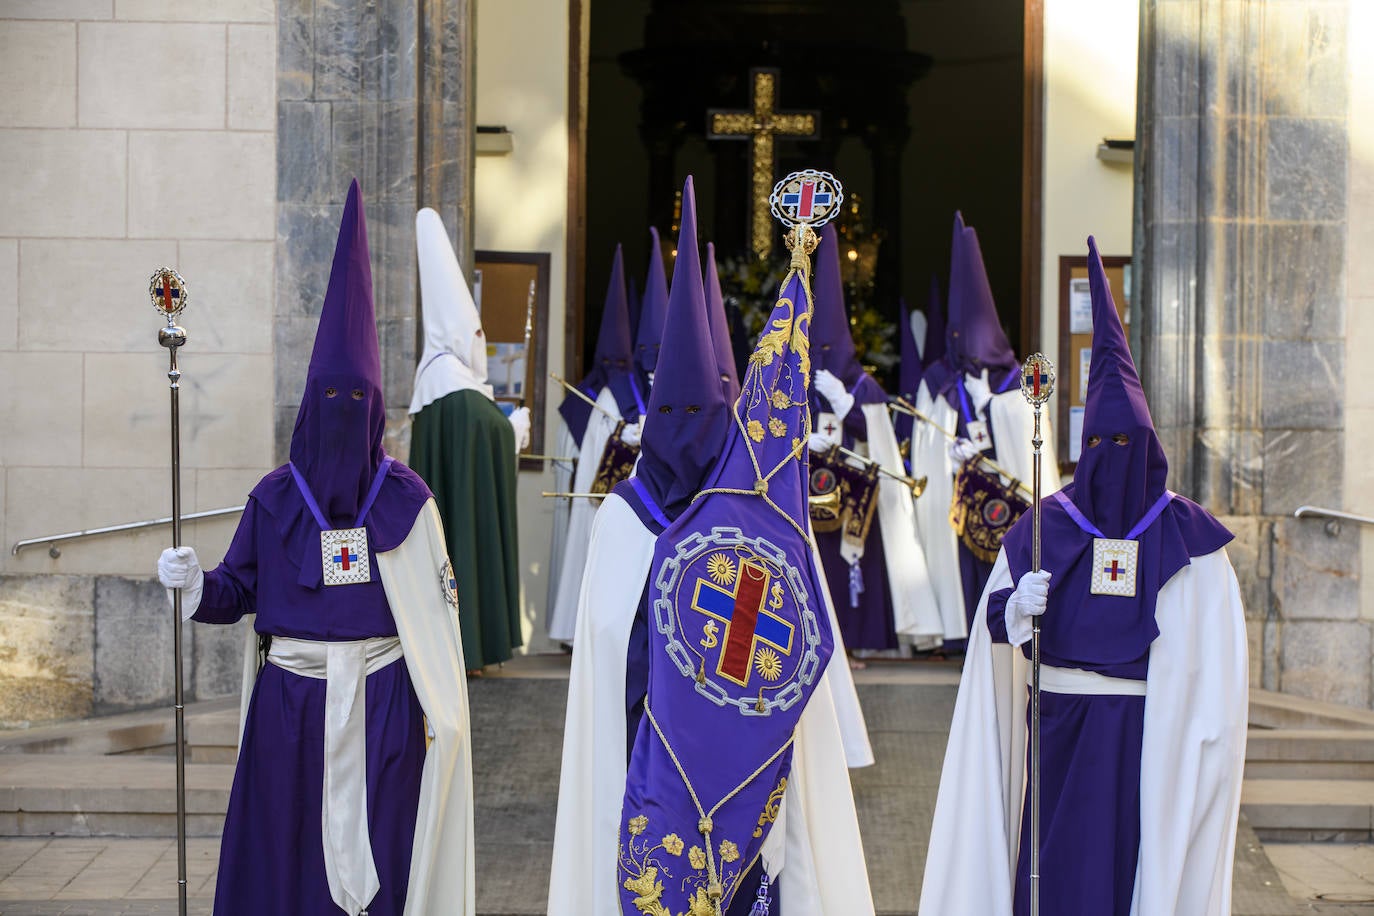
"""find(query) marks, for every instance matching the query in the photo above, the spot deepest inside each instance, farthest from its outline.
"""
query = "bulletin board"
(1076, 341)
(514, 287)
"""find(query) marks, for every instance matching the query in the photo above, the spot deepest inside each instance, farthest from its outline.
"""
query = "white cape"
(1012, 422)
(558, 537)
(858, 750)
(915, 614)
(1192, 758)
(817, 834)
(442, 860)
(563, 612)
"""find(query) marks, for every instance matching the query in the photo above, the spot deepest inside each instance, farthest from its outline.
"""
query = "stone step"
(1310, 753)
(134, 796)
(1310, 810)
(1270, 709)
(210, 724)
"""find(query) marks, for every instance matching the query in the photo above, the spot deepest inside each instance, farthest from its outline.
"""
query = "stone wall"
(381, 91)
(134, 134)
(1242, 216)
(81, 645)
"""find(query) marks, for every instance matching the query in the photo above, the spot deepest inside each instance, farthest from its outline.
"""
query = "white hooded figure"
(464, 447)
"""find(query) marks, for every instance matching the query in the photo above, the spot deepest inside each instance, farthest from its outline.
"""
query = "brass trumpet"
(825, 506)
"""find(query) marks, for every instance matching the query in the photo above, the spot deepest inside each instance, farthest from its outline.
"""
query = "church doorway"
(918, 106)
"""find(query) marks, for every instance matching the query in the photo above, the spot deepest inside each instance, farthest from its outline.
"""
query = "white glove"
(979, 391)
(962, 450)
(520, 422)
(1027, 601)
(818, 442)
(179, 567)
(631, 434)
(833, 390)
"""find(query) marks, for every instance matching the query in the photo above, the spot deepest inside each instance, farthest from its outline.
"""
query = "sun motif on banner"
(767, 664)
(720, 569)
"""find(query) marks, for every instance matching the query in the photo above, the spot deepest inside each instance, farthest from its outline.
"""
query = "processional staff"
(1037, 384)
(168, 293)
(583, 395)
(917, 485)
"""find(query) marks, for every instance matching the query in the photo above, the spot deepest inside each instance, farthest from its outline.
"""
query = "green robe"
(464, 448)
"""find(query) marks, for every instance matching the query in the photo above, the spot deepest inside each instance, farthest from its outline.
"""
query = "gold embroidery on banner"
(771, 807)
(696, 857)
(642, 868)
(648, 890)
(701, 904)
(729, 852)
(756, 430)
(774, 342)
(801, 343)
(768, 665)
(777, 428)
(720, 568)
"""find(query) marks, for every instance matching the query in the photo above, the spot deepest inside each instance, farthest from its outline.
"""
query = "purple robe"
(271, 855)
(1091, 744)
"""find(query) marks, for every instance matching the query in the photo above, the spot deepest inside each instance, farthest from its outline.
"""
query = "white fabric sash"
(344, 666)
(1086, 683)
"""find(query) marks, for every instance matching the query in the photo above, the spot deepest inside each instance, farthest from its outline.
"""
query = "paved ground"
(518, 719)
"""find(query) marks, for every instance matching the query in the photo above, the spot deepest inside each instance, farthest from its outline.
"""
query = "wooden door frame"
(579, 35)
(1032, 174)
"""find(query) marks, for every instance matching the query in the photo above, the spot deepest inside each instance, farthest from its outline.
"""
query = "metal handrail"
(53, 540)
(1319, 512)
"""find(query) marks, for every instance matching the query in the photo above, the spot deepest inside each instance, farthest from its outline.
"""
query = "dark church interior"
(920, 112)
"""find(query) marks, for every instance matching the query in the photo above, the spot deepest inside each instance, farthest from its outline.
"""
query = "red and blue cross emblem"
(1115, 570)
(807, 199)
(344, 559)
(747, 618)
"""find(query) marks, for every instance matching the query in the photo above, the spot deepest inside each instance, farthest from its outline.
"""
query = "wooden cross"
(760, 126)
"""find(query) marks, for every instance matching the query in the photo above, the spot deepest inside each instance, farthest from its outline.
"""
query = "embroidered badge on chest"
(344, 554)
(828, 425)
(1114, 567)
(978, 435)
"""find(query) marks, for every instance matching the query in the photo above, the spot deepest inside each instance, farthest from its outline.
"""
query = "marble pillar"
(1240, 241)
(380, 90)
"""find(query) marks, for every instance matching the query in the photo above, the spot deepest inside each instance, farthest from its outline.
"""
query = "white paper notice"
(1075, 432)
(1080, 306)
(1085, 358)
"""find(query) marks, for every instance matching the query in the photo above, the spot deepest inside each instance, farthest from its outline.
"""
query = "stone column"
(1240, 313)
(380, 90)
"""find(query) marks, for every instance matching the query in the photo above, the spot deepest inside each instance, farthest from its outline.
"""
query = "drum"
(983, 509)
